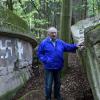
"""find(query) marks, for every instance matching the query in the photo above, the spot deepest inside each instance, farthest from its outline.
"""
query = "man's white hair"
(52, 29)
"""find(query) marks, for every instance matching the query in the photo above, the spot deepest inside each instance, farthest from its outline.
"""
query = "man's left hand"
(81, 46)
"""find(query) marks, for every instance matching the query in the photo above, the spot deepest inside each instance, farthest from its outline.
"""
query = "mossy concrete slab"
(13, 26)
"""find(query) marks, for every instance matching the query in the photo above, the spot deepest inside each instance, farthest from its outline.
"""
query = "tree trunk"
(65, 26)
(10, 5)
(98, 5)
(84, 11)
(93, 8)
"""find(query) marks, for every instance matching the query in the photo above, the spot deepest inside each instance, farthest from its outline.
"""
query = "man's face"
(53, 35)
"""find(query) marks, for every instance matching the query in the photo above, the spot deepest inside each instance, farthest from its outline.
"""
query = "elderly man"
(50, 52)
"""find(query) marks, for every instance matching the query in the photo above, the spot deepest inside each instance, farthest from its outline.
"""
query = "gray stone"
(90, 56)
(16, 45)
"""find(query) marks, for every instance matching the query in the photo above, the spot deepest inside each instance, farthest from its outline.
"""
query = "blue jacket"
(52, 56)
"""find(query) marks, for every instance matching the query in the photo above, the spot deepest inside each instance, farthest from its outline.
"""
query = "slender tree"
(9, 4)
(84, 11)
(98, 5)
(93, 7)
(65, 25)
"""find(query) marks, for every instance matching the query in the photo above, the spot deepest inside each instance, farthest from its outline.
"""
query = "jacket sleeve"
(41, 53)
(69, 47)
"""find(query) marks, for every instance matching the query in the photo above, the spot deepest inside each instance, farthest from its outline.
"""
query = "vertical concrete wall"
(15, 58)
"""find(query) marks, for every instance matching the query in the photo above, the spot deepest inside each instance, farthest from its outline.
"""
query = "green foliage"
(78, 7)
(40, 14)
(93, 7)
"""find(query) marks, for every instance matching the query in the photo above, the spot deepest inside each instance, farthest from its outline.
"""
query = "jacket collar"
(49, 39)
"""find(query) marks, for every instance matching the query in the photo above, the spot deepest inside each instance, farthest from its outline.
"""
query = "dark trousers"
(50, 77)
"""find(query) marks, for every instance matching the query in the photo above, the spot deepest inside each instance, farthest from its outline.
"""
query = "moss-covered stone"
(9, 95)
(90, 55)
(11, 19)
(13, 26)
(92, 35)
(34, 94)
(92, 59)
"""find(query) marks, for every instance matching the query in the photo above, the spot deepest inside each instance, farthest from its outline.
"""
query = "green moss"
(7, 17)
(10, 94)
(97, 27)
(23, 77)
(30, 93)
(13, 26)
(94, 28)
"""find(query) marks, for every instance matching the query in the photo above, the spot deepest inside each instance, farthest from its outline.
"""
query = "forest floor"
(74, 85)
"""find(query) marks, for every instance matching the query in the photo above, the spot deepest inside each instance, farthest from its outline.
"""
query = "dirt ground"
(74, 85)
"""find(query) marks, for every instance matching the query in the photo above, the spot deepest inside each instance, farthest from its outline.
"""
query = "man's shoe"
(46, 98)
(60, 98)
